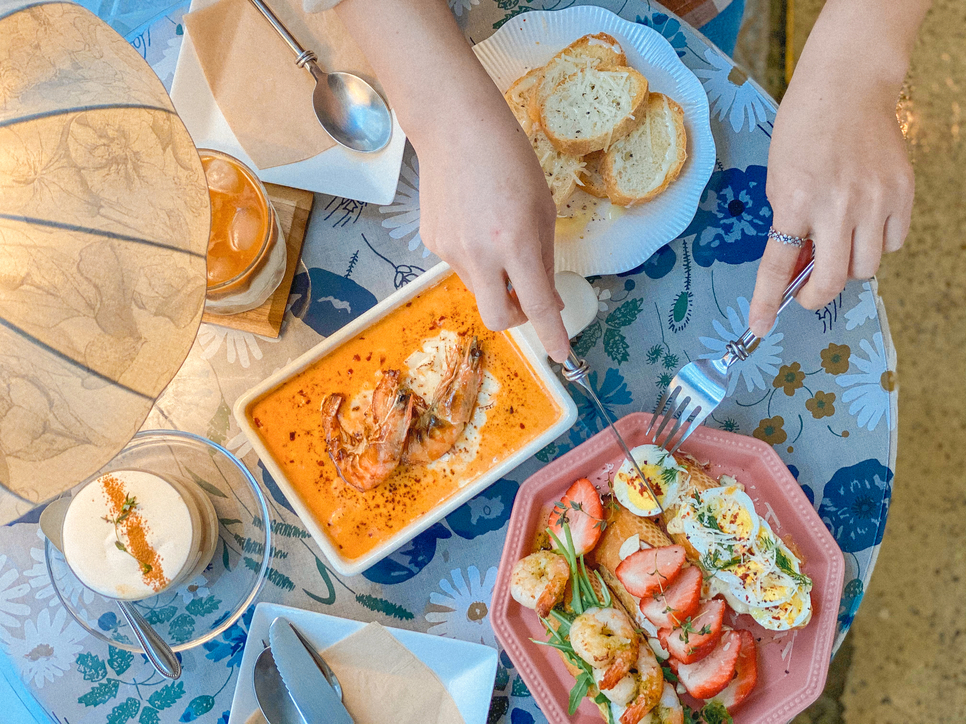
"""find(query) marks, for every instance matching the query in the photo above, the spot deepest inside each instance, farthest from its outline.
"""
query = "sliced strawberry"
(696, 636)
(746, 673)
(651, 570)
(681, 599)
(582, 510)
(712, 674)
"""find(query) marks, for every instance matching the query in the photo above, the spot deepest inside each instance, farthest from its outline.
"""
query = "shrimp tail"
(648, 696)
(621, 666)
(551, 595)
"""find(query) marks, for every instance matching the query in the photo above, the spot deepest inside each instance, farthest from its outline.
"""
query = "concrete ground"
(904, 661)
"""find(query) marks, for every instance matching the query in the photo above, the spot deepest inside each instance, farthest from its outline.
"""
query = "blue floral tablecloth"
(822, 390)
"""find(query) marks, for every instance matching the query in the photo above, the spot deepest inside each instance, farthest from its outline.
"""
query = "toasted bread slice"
(593, 108)
(518, 97)
(621, 525)
(640, 165)
(599, 50)
(560, 169)
(589, 177)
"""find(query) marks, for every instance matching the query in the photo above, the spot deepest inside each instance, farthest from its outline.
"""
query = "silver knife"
(575, 370)
(314, 697)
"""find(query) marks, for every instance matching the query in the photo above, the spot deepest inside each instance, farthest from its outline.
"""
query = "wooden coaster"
(292, 207)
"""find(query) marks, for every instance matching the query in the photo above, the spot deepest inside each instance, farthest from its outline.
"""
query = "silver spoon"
(156, 649)
(270, 692)
(349, 109)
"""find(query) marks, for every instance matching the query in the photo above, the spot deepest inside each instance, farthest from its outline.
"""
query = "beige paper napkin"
(383, 683)
(264, 96)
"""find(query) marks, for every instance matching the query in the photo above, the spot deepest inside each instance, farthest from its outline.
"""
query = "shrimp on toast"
(364, 460)
(539, 581)
(440, 423)
(606, 639)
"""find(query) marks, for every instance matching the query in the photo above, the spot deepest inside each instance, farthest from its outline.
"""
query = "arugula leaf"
(604, 701)
(584, 681)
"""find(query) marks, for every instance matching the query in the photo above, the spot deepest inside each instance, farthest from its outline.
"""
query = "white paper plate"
(613, 245)
(466, 669)
(370, 177)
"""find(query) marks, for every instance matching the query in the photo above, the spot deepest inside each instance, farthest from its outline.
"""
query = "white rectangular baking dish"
(531, 350)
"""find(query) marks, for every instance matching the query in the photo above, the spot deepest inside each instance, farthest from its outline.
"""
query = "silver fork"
(700, 386)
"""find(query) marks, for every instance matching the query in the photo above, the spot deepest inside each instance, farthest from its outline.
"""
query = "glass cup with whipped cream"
(131, 534)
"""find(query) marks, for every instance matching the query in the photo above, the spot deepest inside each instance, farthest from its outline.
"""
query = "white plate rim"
(372, 178)
(516, 48)
(474, 705)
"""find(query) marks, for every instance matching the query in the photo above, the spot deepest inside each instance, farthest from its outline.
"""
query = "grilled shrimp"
(441, 422)
(539, 580)
(650, 687)
(605, 638)
(365, 459)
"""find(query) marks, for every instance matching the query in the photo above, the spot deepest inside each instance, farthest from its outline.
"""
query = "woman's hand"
(838, 172)
(485, 208)
(484, 205)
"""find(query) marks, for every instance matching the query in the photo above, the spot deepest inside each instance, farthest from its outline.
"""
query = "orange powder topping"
(128, 521)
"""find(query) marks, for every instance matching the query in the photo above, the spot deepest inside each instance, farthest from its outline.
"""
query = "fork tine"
(676, 415)
(694, 424)
(682, 413)
(658, 410)
(693, 420)
(669, 415)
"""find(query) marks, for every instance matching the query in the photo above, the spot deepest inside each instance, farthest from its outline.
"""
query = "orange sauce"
(289, 422)
(239, 219)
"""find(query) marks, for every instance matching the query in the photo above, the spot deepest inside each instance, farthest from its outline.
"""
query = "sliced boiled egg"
(662, 473)
(724, 516)
(768, 575)
(794, 613)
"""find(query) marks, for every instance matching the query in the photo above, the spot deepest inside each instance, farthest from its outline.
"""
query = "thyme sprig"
(129, 506)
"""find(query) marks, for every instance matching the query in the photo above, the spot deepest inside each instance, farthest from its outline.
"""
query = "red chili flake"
(291, 436)
(357, 358)
(258, 423)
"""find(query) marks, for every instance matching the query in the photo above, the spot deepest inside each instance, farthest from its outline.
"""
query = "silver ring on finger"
(787, 239)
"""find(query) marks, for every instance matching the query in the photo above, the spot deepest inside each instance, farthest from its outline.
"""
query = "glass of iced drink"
(246, 248)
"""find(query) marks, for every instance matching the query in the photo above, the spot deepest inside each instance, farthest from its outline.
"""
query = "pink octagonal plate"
(792, 666)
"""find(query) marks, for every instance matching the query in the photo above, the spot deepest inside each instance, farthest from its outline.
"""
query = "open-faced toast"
(640, 165)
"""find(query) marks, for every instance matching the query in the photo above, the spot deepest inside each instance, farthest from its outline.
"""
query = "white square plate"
(467, 670)
(370, 177)
(531, 350)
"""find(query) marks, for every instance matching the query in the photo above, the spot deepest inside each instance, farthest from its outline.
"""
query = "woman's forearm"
(866, 44)
(424, 63)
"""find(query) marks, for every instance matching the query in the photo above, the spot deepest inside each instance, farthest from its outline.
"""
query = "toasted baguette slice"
(599, 50)
(589, 177)
(593, 108)
(621, 525)
(560, 169)
(518, 97)
(641, 164)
